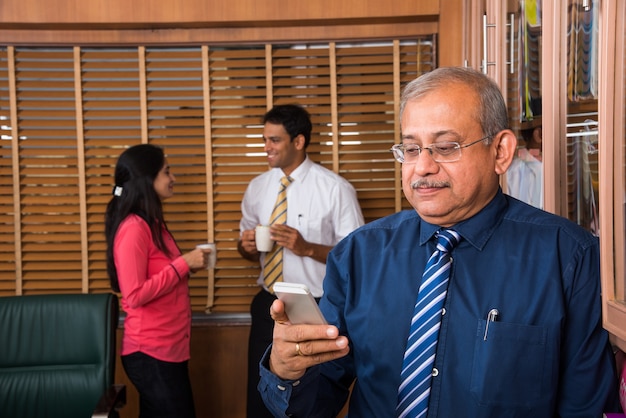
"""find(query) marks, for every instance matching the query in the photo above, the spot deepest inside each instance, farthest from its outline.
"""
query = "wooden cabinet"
(612, 138)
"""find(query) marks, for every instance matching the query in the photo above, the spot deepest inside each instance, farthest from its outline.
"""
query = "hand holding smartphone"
(300, 305)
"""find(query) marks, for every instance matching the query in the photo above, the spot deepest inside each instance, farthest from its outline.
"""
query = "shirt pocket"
(508, 366)
(312, 228)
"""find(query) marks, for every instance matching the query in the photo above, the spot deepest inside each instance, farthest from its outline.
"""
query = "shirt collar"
(476, 230)
(300, 172)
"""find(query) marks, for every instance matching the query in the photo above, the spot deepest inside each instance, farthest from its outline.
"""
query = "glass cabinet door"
(581, 192)
(513, 52)
(524, 179)
(510, 53)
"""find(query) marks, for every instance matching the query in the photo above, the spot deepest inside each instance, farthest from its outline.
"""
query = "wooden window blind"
(67, 113)
(110, 107)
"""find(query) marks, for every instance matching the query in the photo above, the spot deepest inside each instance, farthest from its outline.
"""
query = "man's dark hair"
(294, 118)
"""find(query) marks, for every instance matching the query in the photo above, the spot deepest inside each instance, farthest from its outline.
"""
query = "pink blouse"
(155, 293)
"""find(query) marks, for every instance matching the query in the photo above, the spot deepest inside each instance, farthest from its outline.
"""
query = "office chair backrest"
(57, 353)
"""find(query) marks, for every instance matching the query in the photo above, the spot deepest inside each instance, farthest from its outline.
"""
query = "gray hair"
(491, 112)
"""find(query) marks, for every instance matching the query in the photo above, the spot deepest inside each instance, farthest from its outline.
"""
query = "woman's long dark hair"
(135, 171)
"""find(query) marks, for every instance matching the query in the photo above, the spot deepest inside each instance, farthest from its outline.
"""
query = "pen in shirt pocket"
(300, 219)
(492, 316)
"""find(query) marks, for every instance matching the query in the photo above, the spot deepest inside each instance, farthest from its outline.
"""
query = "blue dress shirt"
(547, 354)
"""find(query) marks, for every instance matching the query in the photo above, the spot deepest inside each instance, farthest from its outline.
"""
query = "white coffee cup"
(212, 255)
(262, 238)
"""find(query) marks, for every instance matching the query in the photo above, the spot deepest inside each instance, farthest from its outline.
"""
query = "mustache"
(427, 184)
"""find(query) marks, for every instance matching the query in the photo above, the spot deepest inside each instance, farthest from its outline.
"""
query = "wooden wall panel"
(201, 13)
(218, 371)
(152, 22)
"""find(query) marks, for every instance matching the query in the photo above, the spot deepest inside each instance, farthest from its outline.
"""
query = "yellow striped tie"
(273, 266)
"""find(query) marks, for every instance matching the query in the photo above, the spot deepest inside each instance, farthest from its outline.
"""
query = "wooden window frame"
(612, 176)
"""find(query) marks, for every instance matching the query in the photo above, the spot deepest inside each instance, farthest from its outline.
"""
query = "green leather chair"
(57, 356)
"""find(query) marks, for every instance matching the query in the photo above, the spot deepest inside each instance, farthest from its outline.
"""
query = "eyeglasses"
(441, 152)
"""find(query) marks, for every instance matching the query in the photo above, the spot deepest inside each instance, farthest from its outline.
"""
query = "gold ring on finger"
(298, 352)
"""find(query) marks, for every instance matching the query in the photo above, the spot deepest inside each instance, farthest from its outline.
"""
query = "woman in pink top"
(146, 266)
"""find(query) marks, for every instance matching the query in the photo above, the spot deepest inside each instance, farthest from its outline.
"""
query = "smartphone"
(300, 305)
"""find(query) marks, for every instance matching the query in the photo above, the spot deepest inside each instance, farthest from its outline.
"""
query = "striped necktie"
(419, 357)
(273, 263)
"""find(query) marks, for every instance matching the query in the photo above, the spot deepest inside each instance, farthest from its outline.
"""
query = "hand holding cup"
(212, 250)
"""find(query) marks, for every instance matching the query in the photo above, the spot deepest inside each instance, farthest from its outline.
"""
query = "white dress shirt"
(524, 179)
(321, 205)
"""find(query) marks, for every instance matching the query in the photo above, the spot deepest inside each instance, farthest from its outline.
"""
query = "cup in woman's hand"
(212, 254)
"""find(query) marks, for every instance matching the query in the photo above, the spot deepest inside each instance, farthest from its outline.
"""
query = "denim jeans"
(164, 387)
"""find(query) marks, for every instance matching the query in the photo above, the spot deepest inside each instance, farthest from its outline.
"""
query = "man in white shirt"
(322, 208)
(524, 178)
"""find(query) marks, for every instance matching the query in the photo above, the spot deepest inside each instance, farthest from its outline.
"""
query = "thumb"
(277, 311)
